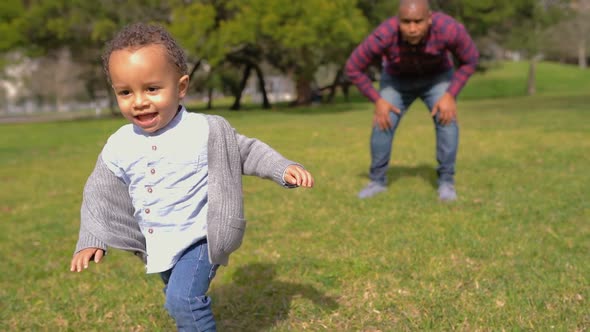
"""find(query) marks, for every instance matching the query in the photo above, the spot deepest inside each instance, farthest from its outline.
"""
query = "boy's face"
(147, 85)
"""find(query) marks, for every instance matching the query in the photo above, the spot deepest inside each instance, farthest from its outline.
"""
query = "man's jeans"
(186, 286)
(401, 92)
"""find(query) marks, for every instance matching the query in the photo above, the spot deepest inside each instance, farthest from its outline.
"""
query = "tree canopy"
(239, 36)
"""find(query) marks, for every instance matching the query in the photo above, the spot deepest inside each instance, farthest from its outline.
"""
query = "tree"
(11, 12)
(571, 36)
(525, 31)
(581, 21)
(199, 27)
(296, 37)
(376, 11)
(516, 24)
(81, 28)
(479, 17)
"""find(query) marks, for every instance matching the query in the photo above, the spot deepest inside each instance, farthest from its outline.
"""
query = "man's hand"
(81, 259)
(446, 107)
(296, 175)
(382, 109)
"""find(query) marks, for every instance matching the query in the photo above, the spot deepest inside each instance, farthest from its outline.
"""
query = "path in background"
(51, 117)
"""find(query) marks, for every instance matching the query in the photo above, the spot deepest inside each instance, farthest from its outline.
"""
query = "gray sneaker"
(446, 192)
(372, 189)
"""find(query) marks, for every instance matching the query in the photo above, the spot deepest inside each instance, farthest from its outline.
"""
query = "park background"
(511, 254)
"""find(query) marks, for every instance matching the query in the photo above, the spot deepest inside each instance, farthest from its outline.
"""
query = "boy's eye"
(124, 92)
(152, 89)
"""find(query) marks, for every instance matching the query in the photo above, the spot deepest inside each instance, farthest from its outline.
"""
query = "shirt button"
(147, 211)
(154, 148)
(153, 171)
(149, 190)
(151, 230)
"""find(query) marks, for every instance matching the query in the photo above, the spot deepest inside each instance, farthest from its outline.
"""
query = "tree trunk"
(334, 85)
(251, 62)
(195, 68)
(209, 98)
(345, 88)
(111, 98)
(531, 86)
(303, 87)
(91, 91)
(59, 104)
(262, 87)
(236, 105)
(582, 60)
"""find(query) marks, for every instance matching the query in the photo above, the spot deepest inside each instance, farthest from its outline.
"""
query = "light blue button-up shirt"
(167, 177)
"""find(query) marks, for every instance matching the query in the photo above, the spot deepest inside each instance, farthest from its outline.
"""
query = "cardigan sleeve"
(259, 159)
(106, 215)
(255, 157)
(87, 240)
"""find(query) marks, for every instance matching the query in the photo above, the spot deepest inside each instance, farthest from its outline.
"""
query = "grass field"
(512, 254)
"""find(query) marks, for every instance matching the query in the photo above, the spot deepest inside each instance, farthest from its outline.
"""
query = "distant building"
(48, 84)
(13, 84)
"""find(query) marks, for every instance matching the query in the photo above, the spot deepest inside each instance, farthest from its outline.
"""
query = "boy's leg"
(447, 136)
(186, 288)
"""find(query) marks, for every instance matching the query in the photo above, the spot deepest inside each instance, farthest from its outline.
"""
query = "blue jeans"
(185, 287)
(402, 92)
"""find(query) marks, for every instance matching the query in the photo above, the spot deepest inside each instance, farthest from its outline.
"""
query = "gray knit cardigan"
(107, 212)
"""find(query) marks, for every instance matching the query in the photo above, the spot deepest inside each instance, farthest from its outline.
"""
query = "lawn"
(512, 254)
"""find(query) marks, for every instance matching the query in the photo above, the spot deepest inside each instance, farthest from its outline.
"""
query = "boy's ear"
(183, 86)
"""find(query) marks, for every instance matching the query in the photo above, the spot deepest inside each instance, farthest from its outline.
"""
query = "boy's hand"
(296, 175)
(81, 259)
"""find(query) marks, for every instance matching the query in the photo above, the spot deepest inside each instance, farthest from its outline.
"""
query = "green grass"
(512, 254)
(509, 79)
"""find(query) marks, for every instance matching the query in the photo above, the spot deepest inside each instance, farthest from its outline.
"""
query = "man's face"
(414, 21)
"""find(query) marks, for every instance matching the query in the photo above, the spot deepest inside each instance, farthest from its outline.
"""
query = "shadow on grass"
(256, 300)
(424, 171)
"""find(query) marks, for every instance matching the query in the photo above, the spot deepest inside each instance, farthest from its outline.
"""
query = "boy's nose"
(140, 100)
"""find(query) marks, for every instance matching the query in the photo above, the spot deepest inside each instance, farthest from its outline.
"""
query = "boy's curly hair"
(138, 35)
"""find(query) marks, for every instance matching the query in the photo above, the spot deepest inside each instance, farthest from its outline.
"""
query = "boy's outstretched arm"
(256, 157)
(82, 258)
(296, 175)
(259, 159)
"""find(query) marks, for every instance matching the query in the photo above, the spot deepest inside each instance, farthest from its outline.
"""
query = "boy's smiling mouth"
(145, 116)
(146, 119)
